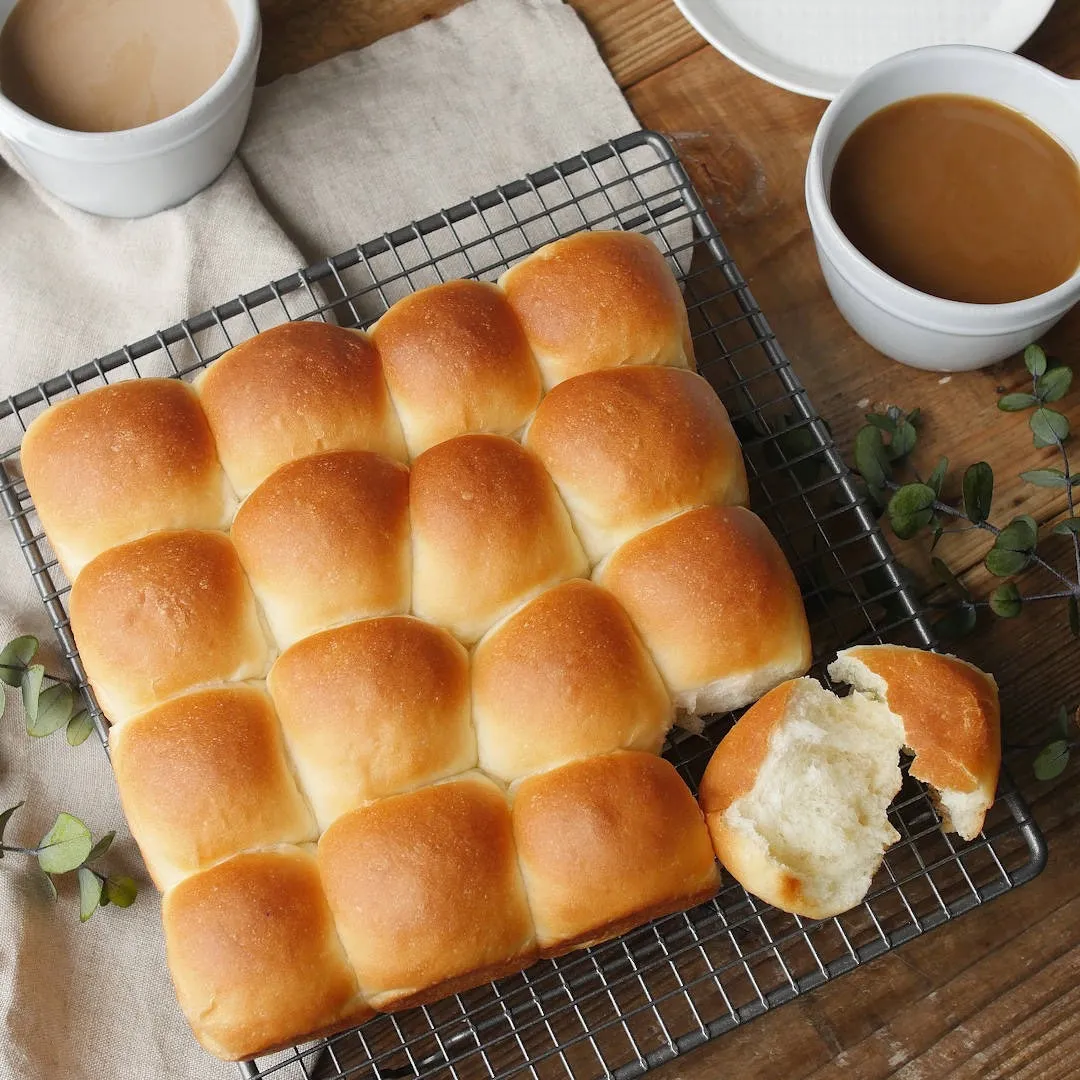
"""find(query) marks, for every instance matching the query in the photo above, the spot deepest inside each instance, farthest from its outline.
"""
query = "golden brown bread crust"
(950, 713)
(373, 708)
(599, 300)
(607, 843)
(488, 532)
(426, 891)
(628, 447)
(325, 539)
(564, 677)
(254, 955)
(714, 600)
(203, 777)
(163, 614)
(122, 461)
(295, 390)
(456, 361)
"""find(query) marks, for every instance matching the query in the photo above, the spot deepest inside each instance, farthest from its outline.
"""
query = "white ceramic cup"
(910, 326)
(145, 169)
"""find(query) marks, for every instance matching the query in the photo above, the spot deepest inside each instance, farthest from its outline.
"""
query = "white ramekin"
(905, 324)
(145, 169)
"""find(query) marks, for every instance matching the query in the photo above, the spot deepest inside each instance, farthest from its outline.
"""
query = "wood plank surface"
(995, 993)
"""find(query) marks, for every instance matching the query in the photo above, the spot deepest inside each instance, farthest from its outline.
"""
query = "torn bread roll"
(456, 361)
(295, 390)
(630, 447)
(122, 461)
(599, 300)
(797, 794)
(255, 957)
(325, 540)
(608, 843)
(951, 720)
(426, 892)
(716, 604)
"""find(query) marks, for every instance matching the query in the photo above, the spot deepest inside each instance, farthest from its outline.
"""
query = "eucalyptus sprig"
(69, 847)
(916, 508)
(48, 707)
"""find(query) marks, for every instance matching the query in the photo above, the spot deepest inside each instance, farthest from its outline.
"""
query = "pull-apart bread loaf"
(390, 729)
(796, 796)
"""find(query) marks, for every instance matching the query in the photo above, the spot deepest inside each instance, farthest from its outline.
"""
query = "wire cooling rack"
(621, 1008)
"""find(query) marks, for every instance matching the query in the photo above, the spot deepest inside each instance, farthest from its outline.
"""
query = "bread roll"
(426, 892)
(629, 447)
(374, 708)
(606, 844)
(488, 531)
(599, 300)
(563, 678)
(117, 463)
(254, 955)
(716, 604)
(456, 361)
(326, 539)
(796, 797)
(204, 776)
(164, 614)
(294, 390)
(951, 722)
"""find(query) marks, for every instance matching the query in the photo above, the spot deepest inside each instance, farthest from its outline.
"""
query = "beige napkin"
(336, 155)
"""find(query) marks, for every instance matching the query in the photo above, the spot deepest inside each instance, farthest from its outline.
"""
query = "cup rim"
(22, 126)
(1015, 312)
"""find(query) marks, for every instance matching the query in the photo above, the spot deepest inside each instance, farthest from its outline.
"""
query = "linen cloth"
(340, 153)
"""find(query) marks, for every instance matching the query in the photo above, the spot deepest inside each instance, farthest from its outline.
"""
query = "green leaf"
(90, 886)
(957, 623)
(31, 691)
(53, 711)
(882, 422)
(1062, 724)
(1052, 760)
(1048, 427)
(65, 846)
(978, 491)
(1074, 616)
(937, 531)
(1017, 402)
(50, 887)
(1054, 385)
(871, 460)
(911, 509)
(102, 846)
(1067, 527)
(121, 891)
(1035, 360)
(947, 577)
(14, 658)
(937, 477)
(1047, 478)
(79, 727)
(1004, 563)
(903, 440)
(5, 817)
(1005, 601)
(1020, 534)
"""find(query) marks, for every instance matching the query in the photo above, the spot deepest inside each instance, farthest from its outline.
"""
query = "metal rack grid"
(620, 1008)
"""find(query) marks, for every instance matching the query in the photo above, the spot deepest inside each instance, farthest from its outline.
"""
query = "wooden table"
(997, 993)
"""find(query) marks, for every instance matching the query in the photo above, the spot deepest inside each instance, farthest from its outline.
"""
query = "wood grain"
(994, 994)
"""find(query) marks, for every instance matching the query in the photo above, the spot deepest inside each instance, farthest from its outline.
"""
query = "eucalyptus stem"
(19, 850)
(1072, 507)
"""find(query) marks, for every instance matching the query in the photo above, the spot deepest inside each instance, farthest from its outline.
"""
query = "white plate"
(817, 47)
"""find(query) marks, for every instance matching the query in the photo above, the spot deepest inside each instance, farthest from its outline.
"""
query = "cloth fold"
(343, 152)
